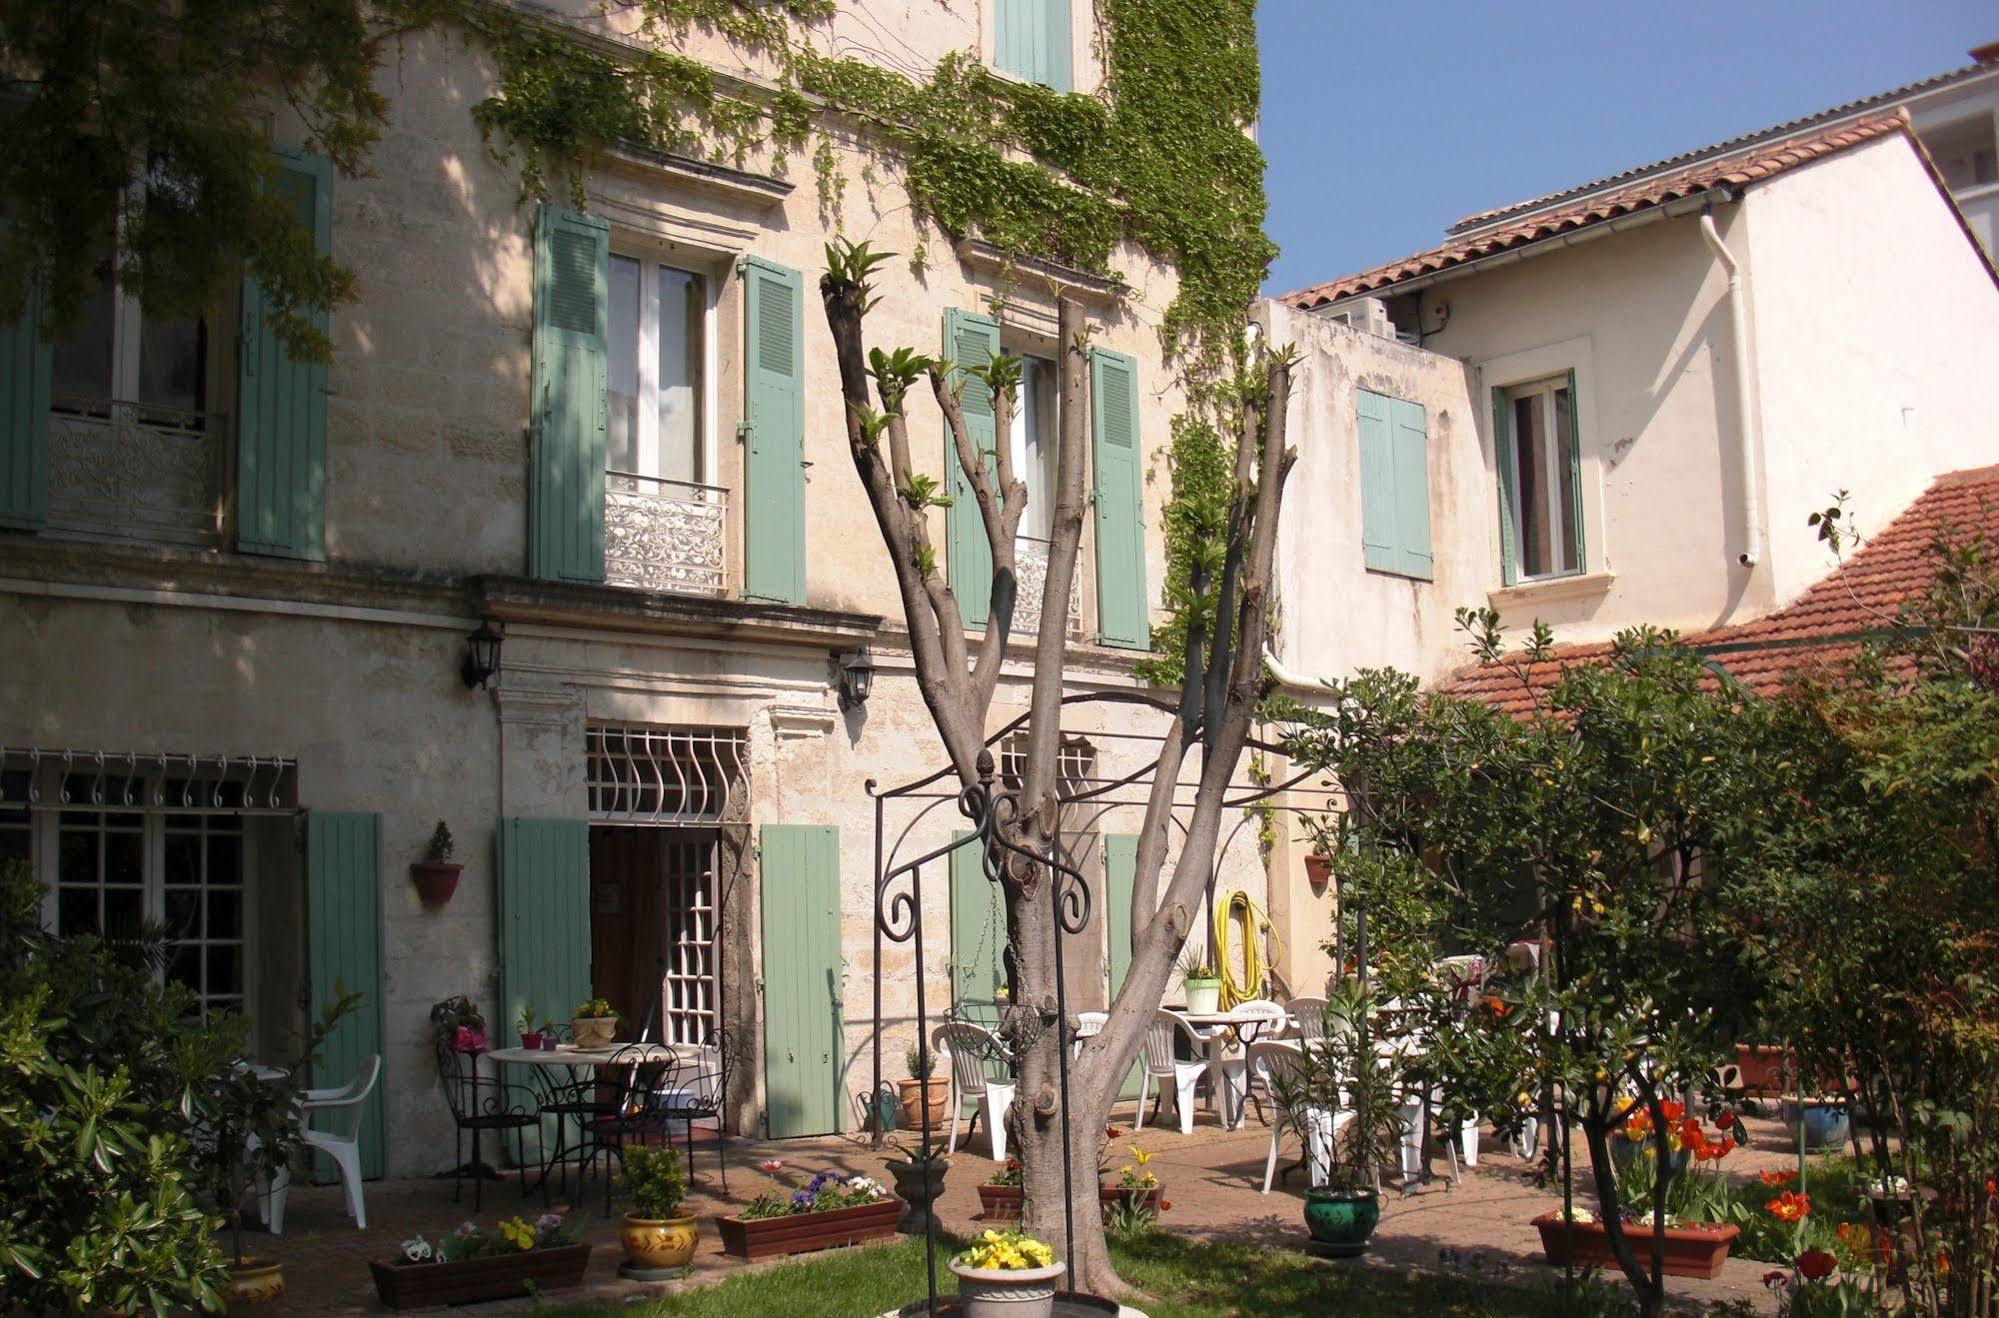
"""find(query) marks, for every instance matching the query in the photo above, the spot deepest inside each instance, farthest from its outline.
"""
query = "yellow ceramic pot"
(256, 1281)
(655, 1243)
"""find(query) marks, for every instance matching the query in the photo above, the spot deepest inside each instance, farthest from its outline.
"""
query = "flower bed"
(471, 1264)
(828, 1211)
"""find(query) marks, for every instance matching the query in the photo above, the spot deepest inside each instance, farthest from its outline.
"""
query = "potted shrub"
(1343, 1072)
(593, 1024)
(925, 1096)
(1202, 985)
(471, 1264)
(1007, 1274)
(658, 1238)
(436, 875)
(828, 1210)
(530, 1036)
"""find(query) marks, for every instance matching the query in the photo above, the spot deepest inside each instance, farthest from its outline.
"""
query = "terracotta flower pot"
(1691, 1251)
(256, 1281)
(1318, 871)
(658, 1244)
(435, 880)
(923, 1099)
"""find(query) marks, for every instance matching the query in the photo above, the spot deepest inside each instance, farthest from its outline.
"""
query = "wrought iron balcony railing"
(665, 535)
(1031, 572)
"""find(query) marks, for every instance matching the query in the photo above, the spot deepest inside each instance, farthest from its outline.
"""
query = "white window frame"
(647, 439)
(1040, 477)
(1567, 538)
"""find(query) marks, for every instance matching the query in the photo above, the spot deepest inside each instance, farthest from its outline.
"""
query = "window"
(1540, 479)
(119, 353)
(1031, 41)
(1033, 445)
(654, 372)
(1395, 485)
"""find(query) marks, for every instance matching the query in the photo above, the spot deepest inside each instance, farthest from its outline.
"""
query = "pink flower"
(1776, 1277)
(772, 1166)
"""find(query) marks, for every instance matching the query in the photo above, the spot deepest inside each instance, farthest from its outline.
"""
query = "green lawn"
(1180, 1278)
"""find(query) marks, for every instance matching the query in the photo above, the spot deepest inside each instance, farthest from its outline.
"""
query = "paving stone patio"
(1479, 1226)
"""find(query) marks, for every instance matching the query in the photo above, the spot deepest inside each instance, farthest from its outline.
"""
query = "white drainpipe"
(1750, 524)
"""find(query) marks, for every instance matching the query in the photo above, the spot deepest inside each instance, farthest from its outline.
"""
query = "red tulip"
(1816, 1264)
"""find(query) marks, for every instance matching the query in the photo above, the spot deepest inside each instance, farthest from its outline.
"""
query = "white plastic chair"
(1308, 1018)
(1235, 1079)
(1089, 1024)
(1163, 1066)
(968, 1047)
(342, 1144)
(1322, 1125)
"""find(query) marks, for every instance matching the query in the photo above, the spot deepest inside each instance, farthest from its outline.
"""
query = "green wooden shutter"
(281, 403)
(1378, 504)
(544, 920)
(25, 358)
(774, 429)
(1121, 876)
(1575, 443)
(1121, 596)
(1502, 457)
(978, 926)
(804, 1033)
(970, 340)
(572, 265)
(1031, 41)
(1410, 429)
(343, 888)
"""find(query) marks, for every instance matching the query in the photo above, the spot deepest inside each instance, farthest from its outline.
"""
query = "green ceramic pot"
(1340, 1221)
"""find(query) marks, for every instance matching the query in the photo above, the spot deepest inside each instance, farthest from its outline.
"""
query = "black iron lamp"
(482, 656)
(857, 678)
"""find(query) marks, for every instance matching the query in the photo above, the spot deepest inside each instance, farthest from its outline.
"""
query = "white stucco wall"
(1876, 333)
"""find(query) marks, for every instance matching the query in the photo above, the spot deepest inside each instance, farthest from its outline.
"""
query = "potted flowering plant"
(436, 875)
(828, 1210)
(1137, 1186)
(1200, 982)
(924, 1096)
(1685, 1199)
(470, 1263)
(1007, 1274)
(658, 1237)
(457, 1019)
(593, 1024)
(999, 1197)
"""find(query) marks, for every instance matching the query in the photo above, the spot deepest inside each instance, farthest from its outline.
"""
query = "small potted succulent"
(593, 1024)
(924, 1095)
(1202, 984)
(551, 1034)
(436, 875)
(1007, 1274)
(530, 1036)
(658, 1237)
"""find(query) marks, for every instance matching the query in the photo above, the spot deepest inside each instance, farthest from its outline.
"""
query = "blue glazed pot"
(1826, 1125)
(1341, 1221)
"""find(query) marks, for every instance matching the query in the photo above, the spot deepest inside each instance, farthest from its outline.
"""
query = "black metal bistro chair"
(481, 1103)
(690, 1088)
(584, 1102)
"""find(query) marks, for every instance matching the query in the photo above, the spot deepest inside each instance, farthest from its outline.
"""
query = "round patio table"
(1217, 1030)
(572, 1060)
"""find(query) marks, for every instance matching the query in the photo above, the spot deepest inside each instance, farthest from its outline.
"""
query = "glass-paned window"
(1033, 444)
(654, 372)
(1547, 531)
(202, 906)
(100, 873)
(116, 352)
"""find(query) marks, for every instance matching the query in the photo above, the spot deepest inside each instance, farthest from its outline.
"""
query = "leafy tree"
(153, 121)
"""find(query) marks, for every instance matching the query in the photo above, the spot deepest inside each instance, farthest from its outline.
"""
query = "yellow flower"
(1139, 1157)
(518, 1233)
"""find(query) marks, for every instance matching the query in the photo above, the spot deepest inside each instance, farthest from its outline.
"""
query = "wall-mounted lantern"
(857, 678)
(482, 656)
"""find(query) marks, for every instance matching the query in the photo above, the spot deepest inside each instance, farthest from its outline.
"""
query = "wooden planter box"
(1001, 1203)
(1155, 1198)
(501, 1277)
(800, 1234)
(1691, 1251)
(1762, 1067)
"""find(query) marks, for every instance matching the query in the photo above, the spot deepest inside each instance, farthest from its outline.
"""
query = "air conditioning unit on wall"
(1369, 315)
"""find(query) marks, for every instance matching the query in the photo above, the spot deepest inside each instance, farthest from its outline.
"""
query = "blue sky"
(1387, 120)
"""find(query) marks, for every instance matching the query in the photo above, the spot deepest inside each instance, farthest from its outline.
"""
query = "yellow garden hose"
(1238, 912)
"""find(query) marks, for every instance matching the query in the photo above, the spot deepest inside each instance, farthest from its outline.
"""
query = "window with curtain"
(653, 376)
(1033, 443)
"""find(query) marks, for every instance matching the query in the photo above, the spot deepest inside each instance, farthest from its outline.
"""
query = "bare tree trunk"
(1215, 710)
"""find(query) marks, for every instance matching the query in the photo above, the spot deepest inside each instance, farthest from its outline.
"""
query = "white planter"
(1016, 1293)
(1203, 995)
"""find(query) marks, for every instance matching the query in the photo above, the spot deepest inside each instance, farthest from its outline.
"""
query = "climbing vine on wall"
(1160, 157)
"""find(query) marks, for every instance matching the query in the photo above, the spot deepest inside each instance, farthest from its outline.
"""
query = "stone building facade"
(236, 594)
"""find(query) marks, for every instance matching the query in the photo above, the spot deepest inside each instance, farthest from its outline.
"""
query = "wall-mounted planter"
(435, 880)
(1318, 872)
